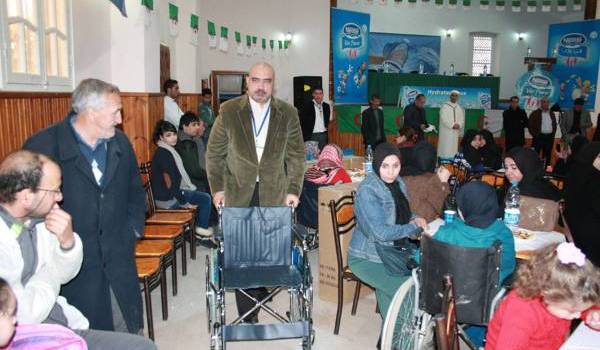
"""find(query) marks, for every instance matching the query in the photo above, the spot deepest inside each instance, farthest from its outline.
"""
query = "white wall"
(428, 20)
(308, 55)
(117, 49)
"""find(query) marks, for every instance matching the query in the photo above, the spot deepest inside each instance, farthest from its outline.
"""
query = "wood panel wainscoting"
(24, 113)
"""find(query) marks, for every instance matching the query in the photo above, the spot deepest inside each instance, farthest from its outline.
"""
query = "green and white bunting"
(239, 47)
(546, 5)
(173, 19)
(412, 3)
(577, 5)
(212, 34)
(500, 5)
(264, 43)
(484, 4)
(272, 44)
(561, 5)
(452, 4)
(531, 5)
(149, 4)
(195, 31)
(248, 48)
(515, 5)
(439, 3)
(466, 4)
(224, 39)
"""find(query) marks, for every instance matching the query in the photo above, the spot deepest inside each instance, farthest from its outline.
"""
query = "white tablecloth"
(539, 240)
(584, 338)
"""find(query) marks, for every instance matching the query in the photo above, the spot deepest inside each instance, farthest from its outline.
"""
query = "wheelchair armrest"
(300, 232)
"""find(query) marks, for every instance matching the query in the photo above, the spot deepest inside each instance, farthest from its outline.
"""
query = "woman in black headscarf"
(470, 148)
(427, 188)
(491, 154)
(524, 166)
(582, 197)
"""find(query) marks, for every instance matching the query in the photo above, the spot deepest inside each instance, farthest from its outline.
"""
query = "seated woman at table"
(524, 166)
(491, 153)
(470, 147)
(582, 199)
(553, 288)
(383, 216)
(171, 185)
(329, 169)
(426, 187)
(477, 225)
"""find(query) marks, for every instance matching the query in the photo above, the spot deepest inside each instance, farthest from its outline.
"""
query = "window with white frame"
(35, 43)
(482, 53)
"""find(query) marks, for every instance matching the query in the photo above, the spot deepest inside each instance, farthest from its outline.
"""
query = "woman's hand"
(420, 222)
(592, 319)
(443, 174)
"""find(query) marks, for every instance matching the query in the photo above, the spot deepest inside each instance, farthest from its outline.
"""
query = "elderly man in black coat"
(514, 122)
(415, 116)
(103, 194)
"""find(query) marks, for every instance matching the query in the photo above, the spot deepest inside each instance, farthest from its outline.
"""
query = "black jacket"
(514, 123)
(164, 165)
(369, 127)
(415, 117)
(188, 150)
(307, 118)
(106, 218)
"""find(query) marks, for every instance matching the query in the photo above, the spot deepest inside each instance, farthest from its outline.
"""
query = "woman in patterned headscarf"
(329, 169)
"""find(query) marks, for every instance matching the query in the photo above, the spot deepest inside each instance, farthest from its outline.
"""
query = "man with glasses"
(103, 194)
(41, 252)
(255, 154)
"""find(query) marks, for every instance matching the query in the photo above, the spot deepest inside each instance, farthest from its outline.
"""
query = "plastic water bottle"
(421, 68)
(368, 164)
(451, 68)
(512, 212)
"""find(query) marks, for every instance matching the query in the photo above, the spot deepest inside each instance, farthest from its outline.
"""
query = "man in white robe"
(452, 123)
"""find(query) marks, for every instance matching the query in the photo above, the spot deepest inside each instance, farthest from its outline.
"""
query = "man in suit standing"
(542, 126)
(415, 116)
(372, 123)
(315, 119)
(514, 122)
(255, 155)
(575, 121)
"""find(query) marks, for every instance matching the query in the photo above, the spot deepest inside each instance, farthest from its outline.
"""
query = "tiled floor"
(186, 327)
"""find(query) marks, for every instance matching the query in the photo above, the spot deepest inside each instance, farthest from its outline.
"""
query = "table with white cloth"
(584, 338)
(523, 247)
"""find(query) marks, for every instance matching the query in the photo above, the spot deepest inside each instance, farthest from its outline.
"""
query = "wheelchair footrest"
(266, 331)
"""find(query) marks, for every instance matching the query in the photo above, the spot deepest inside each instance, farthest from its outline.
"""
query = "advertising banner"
(576, 47)
(349, 38)
(404, 53)
(470, 98)
(534, 85)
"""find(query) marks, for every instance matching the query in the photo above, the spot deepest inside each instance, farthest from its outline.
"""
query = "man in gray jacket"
(575, 121)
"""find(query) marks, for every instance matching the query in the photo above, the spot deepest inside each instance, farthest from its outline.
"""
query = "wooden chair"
(162, 249)
(343, 221)
(494, 179)
(184, 217)
(446, 329)
(150, 276)
(173, 233)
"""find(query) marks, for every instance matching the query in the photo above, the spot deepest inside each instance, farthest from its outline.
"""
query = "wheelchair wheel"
(401, 327)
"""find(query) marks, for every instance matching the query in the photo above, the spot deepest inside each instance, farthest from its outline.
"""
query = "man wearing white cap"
(452, 122)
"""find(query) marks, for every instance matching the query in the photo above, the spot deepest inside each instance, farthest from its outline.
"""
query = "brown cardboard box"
(328, 284)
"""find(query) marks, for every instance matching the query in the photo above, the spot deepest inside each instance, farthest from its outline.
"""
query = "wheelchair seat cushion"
(254, 277)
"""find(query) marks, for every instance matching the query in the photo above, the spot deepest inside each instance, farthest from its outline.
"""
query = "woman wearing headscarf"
(383, 216)
(582, 197)
(329, 169)
(491, 154)
(469, 146)
(426, 187)
(478, 227)
(524, 166)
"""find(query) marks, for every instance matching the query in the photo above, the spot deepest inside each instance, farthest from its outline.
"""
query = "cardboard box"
(328, 270)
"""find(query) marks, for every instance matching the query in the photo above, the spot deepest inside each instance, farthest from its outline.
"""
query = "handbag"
(398, 259)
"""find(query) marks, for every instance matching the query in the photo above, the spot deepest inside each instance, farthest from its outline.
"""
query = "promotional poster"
(534, 85)
(576, 47)
(470, 98)
(404, 53)
(349, 37)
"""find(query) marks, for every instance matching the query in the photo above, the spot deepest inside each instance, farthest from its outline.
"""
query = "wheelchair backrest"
(257, 236)
(475, 272)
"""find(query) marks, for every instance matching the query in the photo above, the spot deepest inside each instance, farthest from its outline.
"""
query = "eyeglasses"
(54, 192)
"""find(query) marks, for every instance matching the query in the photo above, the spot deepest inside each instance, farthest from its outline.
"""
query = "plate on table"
(524, 234)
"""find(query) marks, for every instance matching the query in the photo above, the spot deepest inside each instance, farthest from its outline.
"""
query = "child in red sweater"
(551, 289)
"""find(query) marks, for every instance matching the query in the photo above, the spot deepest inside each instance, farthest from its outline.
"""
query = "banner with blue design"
(576, 47)
(404, 53)
(349, 38)
(470, 98)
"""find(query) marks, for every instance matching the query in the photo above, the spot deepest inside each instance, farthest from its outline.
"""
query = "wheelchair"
(409, 324)
(259, 247)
